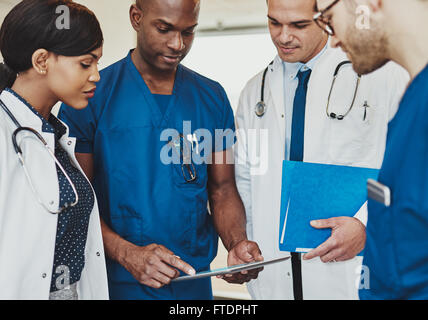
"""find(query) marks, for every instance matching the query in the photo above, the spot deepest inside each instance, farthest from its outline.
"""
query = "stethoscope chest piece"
(261, 106)
(260, 109)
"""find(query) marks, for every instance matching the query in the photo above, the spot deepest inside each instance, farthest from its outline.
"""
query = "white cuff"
(362, 214)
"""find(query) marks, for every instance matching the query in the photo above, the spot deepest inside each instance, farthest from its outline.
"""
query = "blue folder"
(318, 191)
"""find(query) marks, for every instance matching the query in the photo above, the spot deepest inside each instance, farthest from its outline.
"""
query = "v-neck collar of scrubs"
(158, 118)
(162, 101)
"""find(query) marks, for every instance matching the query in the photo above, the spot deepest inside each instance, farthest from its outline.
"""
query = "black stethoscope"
(332, 115)
(19, 152)
(261, 106)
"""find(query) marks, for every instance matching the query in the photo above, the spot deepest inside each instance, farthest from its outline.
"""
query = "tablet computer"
(230, 270)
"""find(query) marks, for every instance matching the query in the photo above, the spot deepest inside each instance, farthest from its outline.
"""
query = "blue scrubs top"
(140, 197)
(162, 101)
(396, 254)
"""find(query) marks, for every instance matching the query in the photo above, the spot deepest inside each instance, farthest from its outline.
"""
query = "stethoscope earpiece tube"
(11, 116)
(261, 105)
(333, 115)
(340, 66)
(262, 94)
(19, 153)
(15, 133)
(19, 129)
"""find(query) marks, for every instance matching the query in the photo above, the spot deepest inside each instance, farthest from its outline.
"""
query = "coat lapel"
(275, 77)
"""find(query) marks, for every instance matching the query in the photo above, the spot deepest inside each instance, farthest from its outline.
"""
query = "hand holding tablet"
(230, 270)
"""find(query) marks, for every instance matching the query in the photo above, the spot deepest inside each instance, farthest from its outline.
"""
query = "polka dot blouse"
(73, 222)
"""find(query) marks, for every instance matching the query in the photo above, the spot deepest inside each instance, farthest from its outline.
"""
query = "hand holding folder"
(346, 241)
(314, 192)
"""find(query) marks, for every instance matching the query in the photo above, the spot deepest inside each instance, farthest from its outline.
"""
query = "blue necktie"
(296, 154)
(299, 111)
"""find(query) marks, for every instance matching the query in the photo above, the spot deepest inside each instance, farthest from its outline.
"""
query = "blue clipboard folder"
(318, 191)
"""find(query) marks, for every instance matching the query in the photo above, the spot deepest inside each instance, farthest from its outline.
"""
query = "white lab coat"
(27, 230)
(352, 142)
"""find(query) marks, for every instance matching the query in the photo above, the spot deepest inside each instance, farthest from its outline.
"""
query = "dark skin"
(229, 218)
(165, 33)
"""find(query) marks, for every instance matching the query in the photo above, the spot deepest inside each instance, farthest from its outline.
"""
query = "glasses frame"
(322, 22)
(185, 155)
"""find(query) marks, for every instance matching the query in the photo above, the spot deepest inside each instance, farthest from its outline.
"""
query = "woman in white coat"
(50, 236)
(357, 140)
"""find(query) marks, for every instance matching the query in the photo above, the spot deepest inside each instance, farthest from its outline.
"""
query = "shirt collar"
(52, 126)
(292, 69)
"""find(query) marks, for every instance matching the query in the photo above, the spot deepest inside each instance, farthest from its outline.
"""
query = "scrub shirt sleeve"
(225, 131)
(82, 126)
(242, 163)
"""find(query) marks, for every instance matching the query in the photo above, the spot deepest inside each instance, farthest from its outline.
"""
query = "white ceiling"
(216, 15)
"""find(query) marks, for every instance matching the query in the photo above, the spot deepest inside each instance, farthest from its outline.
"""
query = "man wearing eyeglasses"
(396, 251)
(306, 123)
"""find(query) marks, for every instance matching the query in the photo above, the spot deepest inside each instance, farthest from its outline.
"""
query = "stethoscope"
(19, 152)
(261, 106)
(332, 115)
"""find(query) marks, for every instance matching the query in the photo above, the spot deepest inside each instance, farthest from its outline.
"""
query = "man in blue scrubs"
(149, 141)
(396, 255)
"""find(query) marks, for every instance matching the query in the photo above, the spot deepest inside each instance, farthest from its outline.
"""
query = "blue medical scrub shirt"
(396, 254)
(140, 197)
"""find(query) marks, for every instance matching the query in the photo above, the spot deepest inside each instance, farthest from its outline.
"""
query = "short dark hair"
(315, 5)
(32, 25)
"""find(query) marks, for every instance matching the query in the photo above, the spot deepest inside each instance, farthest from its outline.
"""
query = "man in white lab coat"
(351, 134)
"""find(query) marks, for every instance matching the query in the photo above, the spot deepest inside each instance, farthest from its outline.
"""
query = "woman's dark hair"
(39, 24)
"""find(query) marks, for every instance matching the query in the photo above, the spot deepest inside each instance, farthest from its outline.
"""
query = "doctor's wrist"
(361, 220)
(233, 243)
(123, 252)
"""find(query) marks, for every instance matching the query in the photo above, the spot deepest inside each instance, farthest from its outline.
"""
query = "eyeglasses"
(183, 150)
(323, 22)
